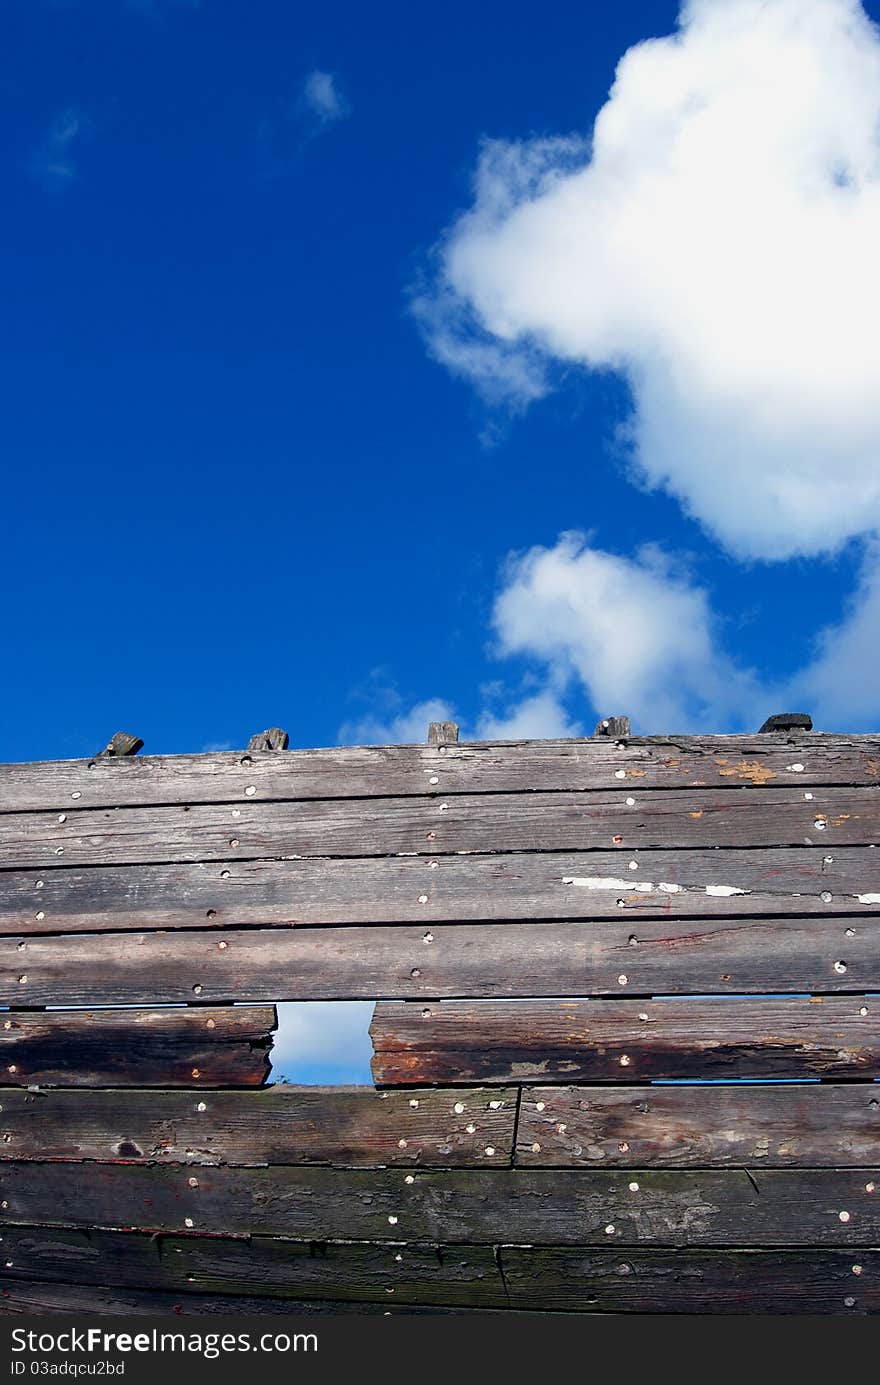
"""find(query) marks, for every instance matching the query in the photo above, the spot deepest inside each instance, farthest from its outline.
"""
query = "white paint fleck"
(620, 774)
(630, 803)
(607, 882)
(796, 768)
(808, 798)
(724, 891)
(868, 898)
(668, 888)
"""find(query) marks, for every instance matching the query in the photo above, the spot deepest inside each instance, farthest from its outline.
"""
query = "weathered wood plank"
(465, 1276)
(545, 1280)
(743, 1281)
(198, 1047)
(362, 771)
(429, 890)
(608, 957)
(569, 1041)
(30, 1298)
(680, 1127)
(343, 1126)
(739, 1207)
(587, 821)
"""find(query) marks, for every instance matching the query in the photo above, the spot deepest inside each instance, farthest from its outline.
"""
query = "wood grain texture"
(29, 1298)
(343, 1126)
(569, 1041)
(460, 1276)
(199, 1047)
(822, 1125)
(608, 957)
(663, 1207)
(708, 1281)
(513, 766)
(538, 1279)
(540, 885)
(585, 821)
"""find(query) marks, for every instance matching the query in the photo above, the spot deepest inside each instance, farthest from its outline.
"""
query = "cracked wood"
(276, 1125)
(363, 771)
(197, 1047)
(402, 962)
(831, 1207)
(565, 1041)
(595, 821)
(530, 885)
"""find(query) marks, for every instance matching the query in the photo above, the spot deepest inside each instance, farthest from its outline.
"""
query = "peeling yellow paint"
(636, 773)
(874, 766)
(838, 822)
(696, 815)
(753, 770)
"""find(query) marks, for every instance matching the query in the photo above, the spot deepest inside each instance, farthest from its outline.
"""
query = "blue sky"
(322, 329)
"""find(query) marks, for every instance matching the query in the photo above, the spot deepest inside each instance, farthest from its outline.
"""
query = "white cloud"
(841, 685)
(52, 164)
(322, 98)
(716, 242)
(404, 727)
(637, 634)
(539, 716)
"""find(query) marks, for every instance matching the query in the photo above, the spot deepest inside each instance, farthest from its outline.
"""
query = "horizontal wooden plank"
(449, 960)
(709, 1281)
(538, 1278)
(29, 1297)
(820, 1125)
(348, 1126)
(465, 1276)
(224, 1046)
(584, 821)
(475, 767)
(569, 1041)
(549, 885)
(668, 1207)
(568, 1279)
